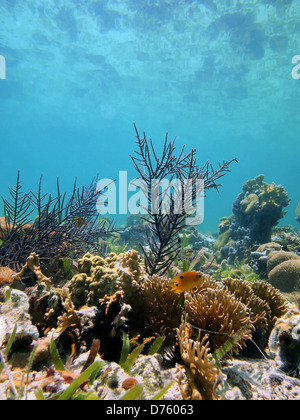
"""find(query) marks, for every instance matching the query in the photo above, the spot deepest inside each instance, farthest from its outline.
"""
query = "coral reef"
(134, 233)
(265, 305)
(258, 380)
(281, 268)
(288, 238)
(131, 282)
(256, 211)
(259, 208)
(100, 276)
(259, 258)
(277, 303)
(202, 328)
(7, 276)
(257, 307)
(278, 257)
(96, 324)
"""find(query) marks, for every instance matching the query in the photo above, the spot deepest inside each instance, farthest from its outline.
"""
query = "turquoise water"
(215, 74)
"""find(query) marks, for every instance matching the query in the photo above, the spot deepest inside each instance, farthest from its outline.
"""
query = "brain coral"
(286, 276)
(277, 257)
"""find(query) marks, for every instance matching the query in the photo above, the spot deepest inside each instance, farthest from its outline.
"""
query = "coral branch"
(165, 224)
(61, 226)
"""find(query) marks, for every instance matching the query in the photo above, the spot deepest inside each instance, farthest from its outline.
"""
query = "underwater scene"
(150, 203)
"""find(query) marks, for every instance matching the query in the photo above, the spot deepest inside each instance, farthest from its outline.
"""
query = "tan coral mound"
(278, 257)
(6, 276)
(286, 276)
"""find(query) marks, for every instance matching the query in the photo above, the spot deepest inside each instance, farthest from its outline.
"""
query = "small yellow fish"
(186, 281)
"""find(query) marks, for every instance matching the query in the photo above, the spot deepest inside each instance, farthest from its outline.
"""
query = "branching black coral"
(168, 209)
(62, 226)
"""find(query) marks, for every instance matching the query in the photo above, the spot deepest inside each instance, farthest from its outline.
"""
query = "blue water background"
(215, 74)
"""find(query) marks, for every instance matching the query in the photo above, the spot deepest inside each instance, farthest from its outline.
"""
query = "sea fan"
(61, 227)
(165, 225)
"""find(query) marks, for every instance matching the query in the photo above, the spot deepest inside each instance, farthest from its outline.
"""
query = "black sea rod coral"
(49, 225)
(164, 226)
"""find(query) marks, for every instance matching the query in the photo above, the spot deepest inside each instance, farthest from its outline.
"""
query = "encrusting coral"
(97, 277)
(131, 282)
